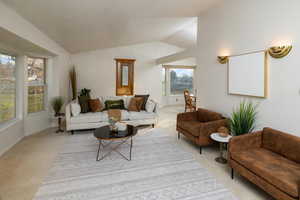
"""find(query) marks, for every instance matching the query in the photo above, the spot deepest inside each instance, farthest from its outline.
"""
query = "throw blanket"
(115, 113)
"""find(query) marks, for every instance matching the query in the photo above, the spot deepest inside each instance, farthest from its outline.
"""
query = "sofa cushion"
(282, 143)
(114, 104)
(145, 99)
(95, 105)
(141, 115)
(207, 115)
(75, 109)
(135, 104)
(84, 103)
(90, 117)
(150, 106)
(125, 99)
(193, 127)
(272, 167)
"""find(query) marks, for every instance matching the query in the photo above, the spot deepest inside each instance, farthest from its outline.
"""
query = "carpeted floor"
(160, 169)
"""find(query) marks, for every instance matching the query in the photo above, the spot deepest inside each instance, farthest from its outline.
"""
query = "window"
(178, 79)
(36, 68)
(164, 81)
(7, 87)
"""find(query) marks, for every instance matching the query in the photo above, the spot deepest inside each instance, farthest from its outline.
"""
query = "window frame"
(13, 120)
(167, 77)
(45, 85)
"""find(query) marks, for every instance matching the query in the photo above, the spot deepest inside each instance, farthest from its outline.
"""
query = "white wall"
(97, 69)
(26, 125)
(239, 26)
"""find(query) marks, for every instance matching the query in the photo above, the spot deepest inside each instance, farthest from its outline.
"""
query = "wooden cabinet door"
(124, 77)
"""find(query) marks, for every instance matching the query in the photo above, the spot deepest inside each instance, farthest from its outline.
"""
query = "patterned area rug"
(159, 170)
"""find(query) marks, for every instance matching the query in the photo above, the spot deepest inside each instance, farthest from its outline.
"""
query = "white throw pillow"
(75, 109)
(150, 106)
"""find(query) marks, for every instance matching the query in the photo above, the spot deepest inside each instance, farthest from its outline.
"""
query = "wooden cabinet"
(124, 76)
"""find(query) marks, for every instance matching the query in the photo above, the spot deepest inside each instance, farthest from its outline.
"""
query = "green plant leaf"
(243, 118)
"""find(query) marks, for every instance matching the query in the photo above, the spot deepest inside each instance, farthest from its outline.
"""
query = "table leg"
(97, 158)
(221, 159)
(130, 148)
(59, 130)
(115, 149)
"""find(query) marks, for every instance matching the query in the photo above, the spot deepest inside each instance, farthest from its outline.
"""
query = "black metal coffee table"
(105, 134)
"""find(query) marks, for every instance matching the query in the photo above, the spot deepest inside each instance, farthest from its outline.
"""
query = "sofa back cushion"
(207, 115)
(282, 143)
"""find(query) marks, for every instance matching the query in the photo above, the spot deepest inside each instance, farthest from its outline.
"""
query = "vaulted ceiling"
(87, 25)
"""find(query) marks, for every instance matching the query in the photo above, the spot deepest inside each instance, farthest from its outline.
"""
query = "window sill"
(36, 114)
(175, 95)
(8, 124)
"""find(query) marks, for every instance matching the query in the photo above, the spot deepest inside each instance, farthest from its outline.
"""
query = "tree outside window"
(36, 68)
(7, 87)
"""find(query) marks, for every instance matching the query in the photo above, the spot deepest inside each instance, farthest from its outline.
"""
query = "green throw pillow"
(114, 104)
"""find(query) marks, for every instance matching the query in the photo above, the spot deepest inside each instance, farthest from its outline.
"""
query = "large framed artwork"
(248, 74)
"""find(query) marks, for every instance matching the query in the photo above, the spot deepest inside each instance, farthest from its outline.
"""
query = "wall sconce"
(279, 51)
(223, 59)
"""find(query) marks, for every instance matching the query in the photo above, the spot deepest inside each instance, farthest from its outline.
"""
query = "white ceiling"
(13, 44)
(86, 25)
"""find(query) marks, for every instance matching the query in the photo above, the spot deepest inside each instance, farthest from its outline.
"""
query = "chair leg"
(178, 135)
(153, 125)
(232, 173)
(72, 132)
(200, 149)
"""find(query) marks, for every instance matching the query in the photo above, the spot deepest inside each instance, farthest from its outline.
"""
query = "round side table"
(223, 142)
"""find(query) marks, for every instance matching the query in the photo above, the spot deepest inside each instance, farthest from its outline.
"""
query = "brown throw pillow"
(95, 105)
(145, 99)
(135, 104)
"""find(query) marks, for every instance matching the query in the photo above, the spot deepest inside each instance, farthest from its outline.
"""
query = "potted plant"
(57, 103)
(243, 119)
(85, 92)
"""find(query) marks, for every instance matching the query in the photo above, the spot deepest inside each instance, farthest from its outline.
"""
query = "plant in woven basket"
(57, 103)
(243, 118)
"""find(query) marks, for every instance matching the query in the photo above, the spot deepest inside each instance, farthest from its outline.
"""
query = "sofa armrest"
(245, 142)
(208, 128)
(188, 116)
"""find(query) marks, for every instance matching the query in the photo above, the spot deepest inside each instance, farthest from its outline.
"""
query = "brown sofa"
(270, 159)
(199, 125)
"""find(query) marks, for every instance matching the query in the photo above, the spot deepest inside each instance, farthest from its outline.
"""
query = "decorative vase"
(112, 124)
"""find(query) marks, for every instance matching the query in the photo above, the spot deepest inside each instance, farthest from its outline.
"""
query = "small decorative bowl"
(223, 132)
(223, 135)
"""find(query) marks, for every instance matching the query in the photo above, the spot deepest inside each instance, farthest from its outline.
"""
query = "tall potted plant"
(243, 119)
(57, 103)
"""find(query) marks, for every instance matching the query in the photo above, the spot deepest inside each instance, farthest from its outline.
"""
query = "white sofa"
(98, 119)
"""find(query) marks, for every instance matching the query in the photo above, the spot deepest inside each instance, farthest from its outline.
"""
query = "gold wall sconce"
(223, 59)
(279, 51)
(275, 52)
